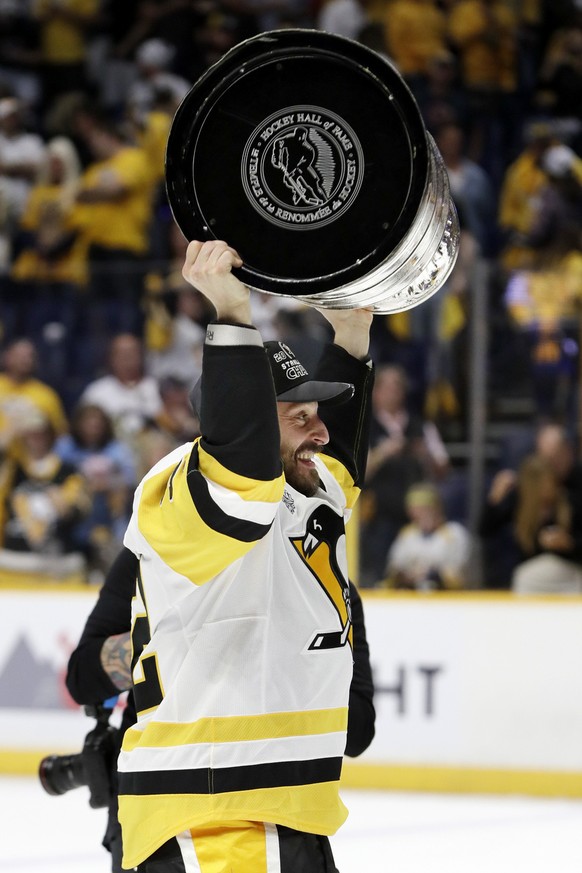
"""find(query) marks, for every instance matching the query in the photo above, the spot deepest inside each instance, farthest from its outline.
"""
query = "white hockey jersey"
(242, 645)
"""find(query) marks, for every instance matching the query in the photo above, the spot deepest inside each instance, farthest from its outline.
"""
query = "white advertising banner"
(40, 629)
(476, 682)
(471, 684)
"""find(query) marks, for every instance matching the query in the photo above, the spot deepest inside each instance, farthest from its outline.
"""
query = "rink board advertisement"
(40, 628)
(474, 692)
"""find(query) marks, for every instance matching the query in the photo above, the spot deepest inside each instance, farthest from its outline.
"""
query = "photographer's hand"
(98, 754)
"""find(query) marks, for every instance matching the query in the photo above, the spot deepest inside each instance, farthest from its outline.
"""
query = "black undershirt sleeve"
(362, 715)
(86, 680)
(239, 420)
(348, 423)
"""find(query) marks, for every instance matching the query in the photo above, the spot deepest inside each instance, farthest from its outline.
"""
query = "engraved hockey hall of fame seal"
(302, 167)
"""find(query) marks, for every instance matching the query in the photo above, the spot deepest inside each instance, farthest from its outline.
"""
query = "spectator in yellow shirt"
(42, 499)
(47, 252)
(50, 271)
(115, 201)
(21, 393)
(415, 33)
(484, 34)
(522, 182)
(151, 134)
(65, 28)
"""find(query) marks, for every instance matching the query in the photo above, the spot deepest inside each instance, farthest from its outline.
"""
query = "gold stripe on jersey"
(313, 808)
(170, 522)
(232, 729)
(343, 478)
(247, 489)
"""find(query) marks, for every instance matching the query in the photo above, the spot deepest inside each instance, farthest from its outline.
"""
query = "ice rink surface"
(385, 831)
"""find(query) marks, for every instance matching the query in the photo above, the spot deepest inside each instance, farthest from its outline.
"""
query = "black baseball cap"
(292, 381)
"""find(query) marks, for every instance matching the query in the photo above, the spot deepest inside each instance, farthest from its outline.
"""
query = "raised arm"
(236, 376)
(221, 494)
(347, 360)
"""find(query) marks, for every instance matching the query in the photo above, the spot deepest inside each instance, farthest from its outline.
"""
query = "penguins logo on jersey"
(318, 550)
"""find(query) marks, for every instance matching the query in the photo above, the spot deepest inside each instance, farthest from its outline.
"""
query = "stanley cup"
(307, 153)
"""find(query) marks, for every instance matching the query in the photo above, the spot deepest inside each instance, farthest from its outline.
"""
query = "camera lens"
(61, 773)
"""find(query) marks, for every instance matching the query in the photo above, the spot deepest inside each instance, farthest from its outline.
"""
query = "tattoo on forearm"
(116, 660)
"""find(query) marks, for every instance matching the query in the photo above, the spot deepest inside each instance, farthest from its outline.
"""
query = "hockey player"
(100, 668)
(242, 622)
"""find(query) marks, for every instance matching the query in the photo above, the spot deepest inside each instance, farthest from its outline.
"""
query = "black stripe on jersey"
(140, 634)
(218, 520)
(139, 584)
(171, 482)
(224, 779)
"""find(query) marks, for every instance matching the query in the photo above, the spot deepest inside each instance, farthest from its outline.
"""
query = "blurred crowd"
(101, 337)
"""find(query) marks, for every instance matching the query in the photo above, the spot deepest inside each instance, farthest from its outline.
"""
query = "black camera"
(61, 773)
(93, 766)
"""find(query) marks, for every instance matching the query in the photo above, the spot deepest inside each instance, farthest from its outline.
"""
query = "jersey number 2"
(147, 691)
